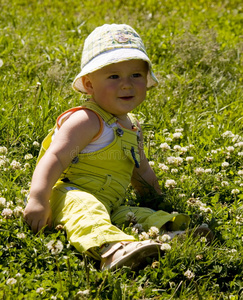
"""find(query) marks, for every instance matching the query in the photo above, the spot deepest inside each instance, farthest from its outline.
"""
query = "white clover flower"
(199, 171)
(210, 126)
(189, 159)
(219, 176)
(163, 167)
(240, 153)
(165, 247)
(7, 213)
(151, 163)
(208, 171)
(173, 121)
(177, 135)
(184, 150)
(185, 178)
(151, 135)
(55, 246)
(240, 172)
(15, 165)
(164, 146)
(189, 274)
(171, 160)
(236, 138)
(3, 161)
(174, 171)
(170, 183)
(18, 211)
(203, 239)
(177, 147)
(196, 203)
(24, 192)
(227, 134)
(18, 275)
(143, 236)
(165, 238)
(168, 139)
(179, 130)
(178, 161)
(11, 281)
(182, 195)
(3, 202)
(36, 144)
(138, 227)
(235, 191)
(28, 156)
(153, 232)
(21, 235)
(230, 149)
(224, 183)
(9, 203)
(205, 209)
(225, 164)
(80, 294)
(239, 145)
(26, 166)
(134, 230)
(3, 150)
(40, 290)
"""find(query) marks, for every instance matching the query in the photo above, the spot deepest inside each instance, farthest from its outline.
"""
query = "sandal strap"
(113, 248)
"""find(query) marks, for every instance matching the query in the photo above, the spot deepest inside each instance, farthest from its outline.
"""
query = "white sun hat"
(109, 44)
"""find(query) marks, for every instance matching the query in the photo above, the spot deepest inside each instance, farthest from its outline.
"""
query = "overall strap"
(106, 116)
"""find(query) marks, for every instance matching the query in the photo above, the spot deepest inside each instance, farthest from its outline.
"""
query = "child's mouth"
(126, 98)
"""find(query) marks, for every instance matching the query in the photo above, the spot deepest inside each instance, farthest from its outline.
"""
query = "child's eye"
(136, 75)
(113, 76)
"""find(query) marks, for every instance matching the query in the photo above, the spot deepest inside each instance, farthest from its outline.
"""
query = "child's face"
(120, 87)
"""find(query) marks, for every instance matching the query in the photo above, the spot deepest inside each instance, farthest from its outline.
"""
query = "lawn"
(193, 131)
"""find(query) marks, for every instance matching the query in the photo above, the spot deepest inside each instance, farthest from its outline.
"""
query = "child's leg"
(148, 217)
(85, 219)
(173, 224)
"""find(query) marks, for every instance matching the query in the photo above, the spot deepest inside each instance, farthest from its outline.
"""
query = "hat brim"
(111, 57)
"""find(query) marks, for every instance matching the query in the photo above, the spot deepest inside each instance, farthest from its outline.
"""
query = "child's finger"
(49, 221)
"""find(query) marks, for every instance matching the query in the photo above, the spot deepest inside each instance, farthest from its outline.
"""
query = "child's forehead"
(133, 64)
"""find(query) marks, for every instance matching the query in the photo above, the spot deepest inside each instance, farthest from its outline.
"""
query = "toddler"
(96, 150)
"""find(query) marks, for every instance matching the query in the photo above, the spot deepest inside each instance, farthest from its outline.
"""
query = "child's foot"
(130, 254)
(201, 231)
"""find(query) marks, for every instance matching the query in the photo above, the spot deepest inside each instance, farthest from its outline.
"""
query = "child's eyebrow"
(135, 70)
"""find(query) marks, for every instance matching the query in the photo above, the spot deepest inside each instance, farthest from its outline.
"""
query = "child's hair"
(108, 44)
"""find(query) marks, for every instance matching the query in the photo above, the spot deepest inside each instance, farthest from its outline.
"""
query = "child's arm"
(76, 133)
(144, 178)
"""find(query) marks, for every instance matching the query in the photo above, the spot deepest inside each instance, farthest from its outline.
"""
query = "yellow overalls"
(88, 197)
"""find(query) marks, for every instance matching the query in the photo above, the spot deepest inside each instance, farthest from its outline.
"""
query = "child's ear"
(87, 84)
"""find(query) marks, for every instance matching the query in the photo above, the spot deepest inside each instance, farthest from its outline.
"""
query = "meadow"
(193, 131)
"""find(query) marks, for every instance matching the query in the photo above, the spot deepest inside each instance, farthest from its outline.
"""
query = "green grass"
(196, 48)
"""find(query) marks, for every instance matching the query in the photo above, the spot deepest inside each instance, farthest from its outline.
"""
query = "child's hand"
(37, 215)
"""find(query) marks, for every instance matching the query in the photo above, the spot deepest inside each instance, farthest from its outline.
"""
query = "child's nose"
(126, 83)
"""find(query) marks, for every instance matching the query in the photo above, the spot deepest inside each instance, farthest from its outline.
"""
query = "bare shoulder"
(85, 115)
(83, 119)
